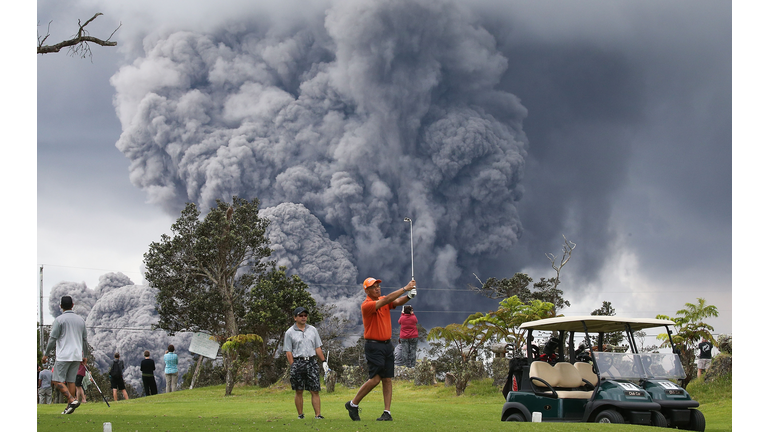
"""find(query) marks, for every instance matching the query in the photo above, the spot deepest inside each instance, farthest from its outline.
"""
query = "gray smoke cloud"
(118, 316)
(342, 125)
(300, 243)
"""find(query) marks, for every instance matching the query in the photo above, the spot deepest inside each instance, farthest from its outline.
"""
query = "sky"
(497, 127)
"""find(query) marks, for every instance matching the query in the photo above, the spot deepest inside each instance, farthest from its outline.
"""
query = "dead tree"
(568, 247)
(78, 45)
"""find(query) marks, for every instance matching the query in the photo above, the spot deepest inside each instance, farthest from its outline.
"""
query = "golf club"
(97, 386)
(411, 293)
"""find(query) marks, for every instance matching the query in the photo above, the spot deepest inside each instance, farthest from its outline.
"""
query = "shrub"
(722, 365)
(724, 344)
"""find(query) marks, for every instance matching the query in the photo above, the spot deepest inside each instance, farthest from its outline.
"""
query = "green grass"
(434, 408)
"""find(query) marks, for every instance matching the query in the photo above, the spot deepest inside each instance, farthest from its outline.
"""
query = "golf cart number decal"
(631, 390)
(628, 386)
(669, 385)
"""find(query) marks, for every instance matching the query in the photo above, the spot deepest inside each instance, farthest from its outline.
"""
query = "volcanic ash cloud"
(363, 114)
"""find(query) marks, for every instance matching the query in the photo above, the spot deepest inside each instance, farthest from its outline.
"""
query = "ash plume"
(352, 118)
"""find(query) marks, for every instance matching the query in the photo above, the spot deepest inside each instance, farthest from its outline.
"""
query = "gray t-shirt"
(302, 343)
(68, 337)
(45, 379)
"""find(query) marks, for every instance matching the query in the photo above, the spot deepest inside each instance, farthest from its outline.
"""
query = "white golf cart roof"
(595, 323)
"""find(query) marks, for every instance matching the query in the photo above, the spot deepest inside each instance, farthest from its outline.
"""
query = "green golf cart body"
(598, 386)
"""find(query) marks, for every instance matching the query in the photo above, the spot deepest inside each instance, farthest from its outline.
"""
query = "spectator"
(44, 390)
(409, 335)
(301, 345)
(705, 355)
(116, 378)
(79, 391)
(148, 375)
(171, 369)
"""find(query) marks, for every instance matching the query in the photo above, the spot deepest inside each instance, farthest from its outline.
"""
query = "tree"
(494, 288)
(505, 322)
(690, 328)
(78, 45)
(549, 288)
(271, 304)
(466, 339)
(205, 271)
(545, 290)
(615, 338)
(333, 331)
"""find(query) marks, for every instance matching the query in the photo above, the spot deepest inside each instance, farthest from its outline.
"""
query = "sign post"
(204, 345)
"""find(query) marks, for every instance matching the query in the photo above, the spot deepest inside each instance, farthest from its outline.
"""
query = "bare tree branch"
(78, 45)
(568, 247)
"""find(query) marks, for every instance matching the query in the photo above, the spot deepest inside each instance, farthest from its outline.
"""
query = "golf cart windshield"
(639, 366)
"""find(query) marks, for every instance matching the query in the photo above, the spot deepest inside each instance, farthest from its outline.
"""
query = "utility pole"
(42, 339)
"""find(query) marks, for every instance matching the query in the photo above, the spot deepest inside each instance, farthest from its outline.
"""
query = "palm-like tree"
(690, 328)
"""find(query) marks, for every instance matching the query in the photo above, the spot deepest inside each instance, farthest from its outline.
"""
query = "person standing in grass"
(44, 386)
(171, 360)
(379, 352)
(148, 375)
(116, 380)
(301, 344)
(705, 356)
(79, 391)
(68, 338)
(409, 335)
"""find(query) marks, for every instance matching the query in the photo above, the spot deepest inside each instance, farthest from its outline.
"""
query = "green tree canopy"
(689, 329)
(204, 271)
(615, 338)
(505, 322)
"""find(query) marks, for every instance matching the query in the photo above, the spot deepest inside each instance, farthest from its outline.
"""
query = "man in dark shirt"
(705, 355)
(148, 375)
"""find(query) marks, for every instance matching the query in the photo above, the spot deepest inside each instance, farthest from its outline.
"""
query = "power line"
(89, 268)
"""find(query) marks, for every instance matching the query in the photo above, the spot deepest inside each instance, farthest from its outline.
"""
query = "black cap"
(66, 302)
(299, 310)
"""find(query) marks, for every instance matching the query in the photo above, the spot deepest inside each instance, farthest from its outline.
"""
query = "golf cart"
(591, 385)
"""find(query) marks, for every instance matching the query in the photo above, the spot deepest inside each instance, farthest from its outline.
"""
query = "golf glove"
(325, 367)
(412, 293)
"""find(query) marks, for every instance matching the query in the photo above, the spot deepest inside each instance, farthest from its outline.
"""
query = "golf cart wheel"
(697, 422)
(658, 419)
(609, 416)
(515, 417)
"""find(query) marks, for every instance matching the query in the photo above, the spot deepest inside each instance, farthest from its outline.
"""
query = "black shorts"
(117, 383)
(380, 358)
(79, 381)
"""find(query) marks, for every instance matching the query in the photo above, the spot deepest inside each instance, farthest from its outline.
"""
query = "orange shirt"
(377, 323)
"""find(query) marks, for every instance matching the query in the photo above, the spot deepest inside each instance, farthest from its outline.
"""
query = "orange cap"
(369, 282)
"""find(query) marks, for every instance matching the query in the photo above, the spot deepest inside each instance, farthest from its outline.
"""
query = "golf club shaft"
(97, 386)
(412, 273)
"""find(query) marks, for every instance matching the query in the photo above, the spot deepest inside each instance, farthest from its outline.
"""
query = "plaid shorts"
(305, 375)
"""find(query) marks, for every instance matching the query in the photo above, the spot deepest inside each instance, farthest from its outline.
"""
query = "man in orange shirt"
(379, 352)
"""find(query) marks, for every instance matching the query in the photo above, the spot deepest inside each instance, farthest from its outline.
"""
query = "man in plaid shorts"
(301, 344)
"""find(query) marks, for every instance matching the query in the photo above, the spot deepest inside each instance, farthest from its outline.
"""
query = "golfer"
(301, 344)
(68, 337)
(379, 352)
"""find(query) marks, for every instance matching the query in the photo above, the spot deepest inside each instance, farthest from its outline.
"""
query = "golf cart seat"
(561, 381)
(586, 372)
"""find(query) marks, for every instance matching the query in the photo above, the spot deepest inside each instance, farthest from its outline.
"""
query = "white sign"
(205, 345)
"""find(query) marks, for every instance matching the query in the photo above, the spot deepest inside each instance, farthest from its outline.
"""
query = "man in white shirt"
(69, 338)
(301, 344)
